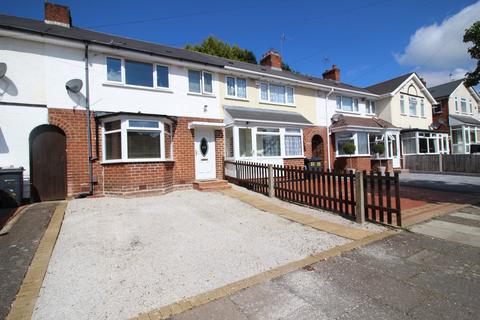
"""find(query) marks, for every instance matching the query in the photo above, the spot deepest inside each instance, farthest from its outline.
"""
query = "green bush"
(349, 148)
(378, 148)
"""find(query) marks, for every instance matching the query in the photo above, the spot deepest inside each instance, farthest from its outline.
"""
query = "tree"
(217, 47)
(472, 34)
(349, 148)
(379, 148)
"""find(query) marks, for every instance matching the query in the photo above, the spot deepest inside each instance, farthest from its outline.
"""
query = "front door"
(393, 149)
(204, 154)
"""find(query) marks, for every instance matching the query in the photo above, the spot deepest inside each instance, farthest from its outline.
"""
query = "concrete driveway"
(116, 258)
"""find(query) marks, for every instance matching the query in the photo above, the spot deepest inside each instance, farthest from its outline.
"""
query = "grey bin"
(11, 187)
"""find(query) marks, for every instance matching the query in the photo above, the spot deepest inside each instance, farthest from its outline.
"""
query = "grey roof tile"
(389, 85)
(445, 89)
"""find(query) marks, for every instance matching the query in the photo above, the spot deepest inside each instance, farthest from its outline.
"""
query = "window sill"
(235, 98)
(127, 86)
(206, 95)
(278, 104)
(349, 112)
(106, 162)
(353, 156)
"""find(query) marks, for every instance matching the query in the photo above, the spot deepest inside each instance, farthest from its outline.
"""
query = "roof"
(446, 89)
(349, 121)
(85, 35)
(465, 119)
(389, 85)
(263, 115)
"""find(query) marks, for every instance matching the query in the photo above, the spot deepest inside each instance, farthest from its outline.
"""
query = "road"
(443, 182)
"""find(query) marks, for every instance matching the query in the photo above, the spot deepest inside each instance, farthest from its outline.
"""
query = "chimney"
(272, 59)
(423, 81)
(332, 74)
(58, 15)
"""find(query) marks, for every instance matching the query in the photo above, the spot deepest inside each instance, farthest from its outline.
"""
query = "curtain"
(268, 145)
(293, 145)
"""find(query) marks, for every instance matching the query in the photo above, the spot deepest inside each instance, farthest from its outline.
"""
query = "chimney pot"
(332, 74)
(57, 14)
(272, 59)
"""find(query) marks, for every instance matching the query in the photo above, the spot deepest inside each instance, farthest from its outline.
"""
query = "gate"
(48, 163)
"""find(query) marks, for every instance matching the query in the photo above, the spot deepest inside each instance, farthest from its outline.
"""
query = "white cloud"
(434, 78)
(441, 46)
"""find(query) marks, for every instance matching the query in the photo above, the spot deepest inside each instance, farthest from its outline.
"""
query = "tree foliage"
(472, 34)
(217, 47)
(349, 148)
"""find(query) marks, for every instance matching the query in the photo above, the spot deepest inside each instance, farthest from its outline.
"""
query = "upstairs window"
(276, 93)
(370, 107)
(437, 109)
(422, 109)
(200, 82)
(456, 104)
(402, 104)
(114, 69)
(412, 108)
(347, 104)
(237, 87)
(136, 73)
(463, 105)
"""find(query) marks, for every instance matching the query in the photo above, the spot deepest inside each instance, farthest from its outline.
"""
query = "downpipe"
(327, 95)
(89, 133)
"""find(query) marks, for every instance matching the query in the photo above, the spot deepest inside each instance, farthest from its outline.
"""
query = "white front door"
(204, 154)
(393, 149)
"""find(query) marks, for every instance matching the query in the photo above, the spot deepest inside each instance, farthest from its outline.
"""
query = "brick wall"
(296, 162)
(124, 178)
(443, 116)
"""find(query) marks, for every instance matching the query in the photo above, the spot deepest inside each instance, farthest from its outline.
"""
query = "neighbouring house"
(405, 102)
(457, 112)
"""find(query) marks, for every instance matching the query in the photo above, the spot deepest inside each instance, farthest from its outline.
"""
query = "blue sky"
(370, 41)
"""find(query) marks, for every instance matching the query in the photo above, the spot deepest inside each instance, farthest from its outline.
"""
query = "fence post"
(440, 162)
(359, 197)
(271, 186)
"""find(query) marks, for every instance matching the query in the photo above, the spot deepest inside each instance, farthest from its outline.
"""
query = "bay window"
(424, 142)
(236, 87)
(136, 73)
(359, 139)
(277, 94)
(200, 82)
(268, 142)
(374, 139)
(347, 104)
(137, 140)
(293, 142)
(263, 142)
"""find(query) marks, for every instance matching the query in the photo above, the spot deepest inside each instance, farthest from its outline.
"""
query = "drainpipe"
(89, 134)
(328, 131)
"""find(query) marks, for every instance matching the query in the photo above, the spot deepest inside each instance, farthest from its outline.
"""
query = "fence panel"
(382, 198)
(467, 163)
(329, 190)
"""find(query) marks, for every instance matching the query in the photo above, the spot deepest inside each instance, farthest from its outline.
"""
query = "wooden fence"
(378, 196)
(466, 163)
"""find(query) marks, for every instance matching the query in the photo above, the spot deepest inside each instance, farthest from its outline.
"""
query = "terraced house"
(91, 113)
(458, 114)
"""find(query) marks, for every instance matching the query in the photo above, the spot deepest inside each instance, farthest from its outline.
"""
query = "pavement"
(116, 258)
(17, 249)
(406, 276)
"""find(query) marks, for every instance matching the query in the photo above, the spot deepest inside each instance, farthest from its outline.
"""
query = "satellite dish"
(3, 69)
(336, 117)
(74, 85)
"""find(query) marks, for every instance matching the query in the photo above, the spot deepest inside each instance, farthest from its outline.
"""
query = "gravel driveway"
(115, 258)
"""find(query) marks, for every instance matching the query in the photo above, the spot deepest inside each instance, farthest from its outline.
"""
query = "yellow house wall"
(462, 92)
(304, 98)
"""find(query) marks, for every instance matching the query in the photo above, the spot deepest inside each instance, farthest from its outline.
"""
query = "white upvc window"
(137, 73)
(278, 94)
(370, 107)
(470, 108)
(463, 105)
(268, 142)
(402, 104)
(347, 104)
(132, 139)
(236, 87)
(412, 106)
(456, 104)
(200, 82)
(359, 139)
(293, 142)
(425, 143)
(422, 109)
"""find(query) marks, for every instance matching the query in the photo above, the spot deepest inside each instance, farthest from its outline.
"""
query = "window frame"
(403, 111)
(410, 100)
(268, 101)
(125, 128)
(355, 104)
(235, 96)
(368, 107)
(355, 141)
(202, 82)
(123, 75)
